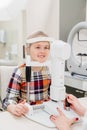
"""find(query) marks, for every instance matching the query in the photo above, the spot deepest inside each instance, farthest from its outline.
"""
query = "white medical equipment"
(41, 113)
(76, 77)
(73, 64)
(59, 52)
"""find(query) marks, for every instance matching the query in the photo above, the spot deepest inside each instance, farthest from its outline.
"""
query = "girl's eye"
(38, 47)
(47, 48)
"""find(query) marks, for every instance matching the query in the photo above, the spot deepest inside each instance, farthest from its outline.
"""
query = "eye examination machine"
(76, 76)
(59, 52)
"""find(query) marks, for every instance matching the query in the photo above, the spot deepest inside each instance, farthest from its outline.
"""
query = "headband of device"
(39, 39)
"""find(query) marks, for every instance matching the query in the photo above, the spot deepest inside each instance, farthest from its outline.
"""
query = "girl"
(40, 78)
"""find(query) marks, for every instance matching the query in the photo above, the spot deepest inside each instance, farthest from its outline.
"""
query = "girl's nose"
(42, 50)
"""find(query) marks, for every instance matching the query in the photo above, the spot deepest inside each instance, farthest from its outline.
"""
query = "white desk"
(10, 122)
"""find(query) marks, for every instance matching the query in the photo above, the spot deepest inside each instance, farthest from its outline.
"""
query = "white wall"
(43, 15)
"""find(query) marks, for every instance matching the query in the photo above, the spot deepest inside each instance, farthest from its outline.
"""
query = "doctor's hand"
(61, 121)
(18, 109)
(75, 105)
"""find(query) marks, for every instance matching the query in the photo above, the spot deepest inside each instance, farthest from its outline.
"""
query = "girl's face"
(39, 51)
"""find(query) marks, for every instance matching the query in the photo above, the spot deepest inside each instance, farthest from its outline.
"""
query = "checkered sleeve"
(13, 90)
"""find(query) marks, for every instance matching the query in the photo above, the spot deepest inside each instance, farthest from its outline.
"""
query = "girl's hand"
(18, 109)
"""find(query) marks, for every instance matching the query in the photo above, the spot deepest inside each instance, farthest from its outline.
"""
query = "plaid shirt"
(17, 88)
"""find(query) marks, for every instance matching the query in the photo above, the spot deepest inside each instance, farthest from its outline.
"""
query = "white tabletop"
(10, 122)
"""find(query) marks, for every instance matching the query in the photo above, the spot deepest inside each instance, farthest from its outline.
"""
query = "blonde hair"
(37, 34)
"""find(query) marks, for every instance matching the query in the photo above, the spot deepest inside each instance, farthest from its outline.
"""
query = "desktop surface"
(10, 122)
